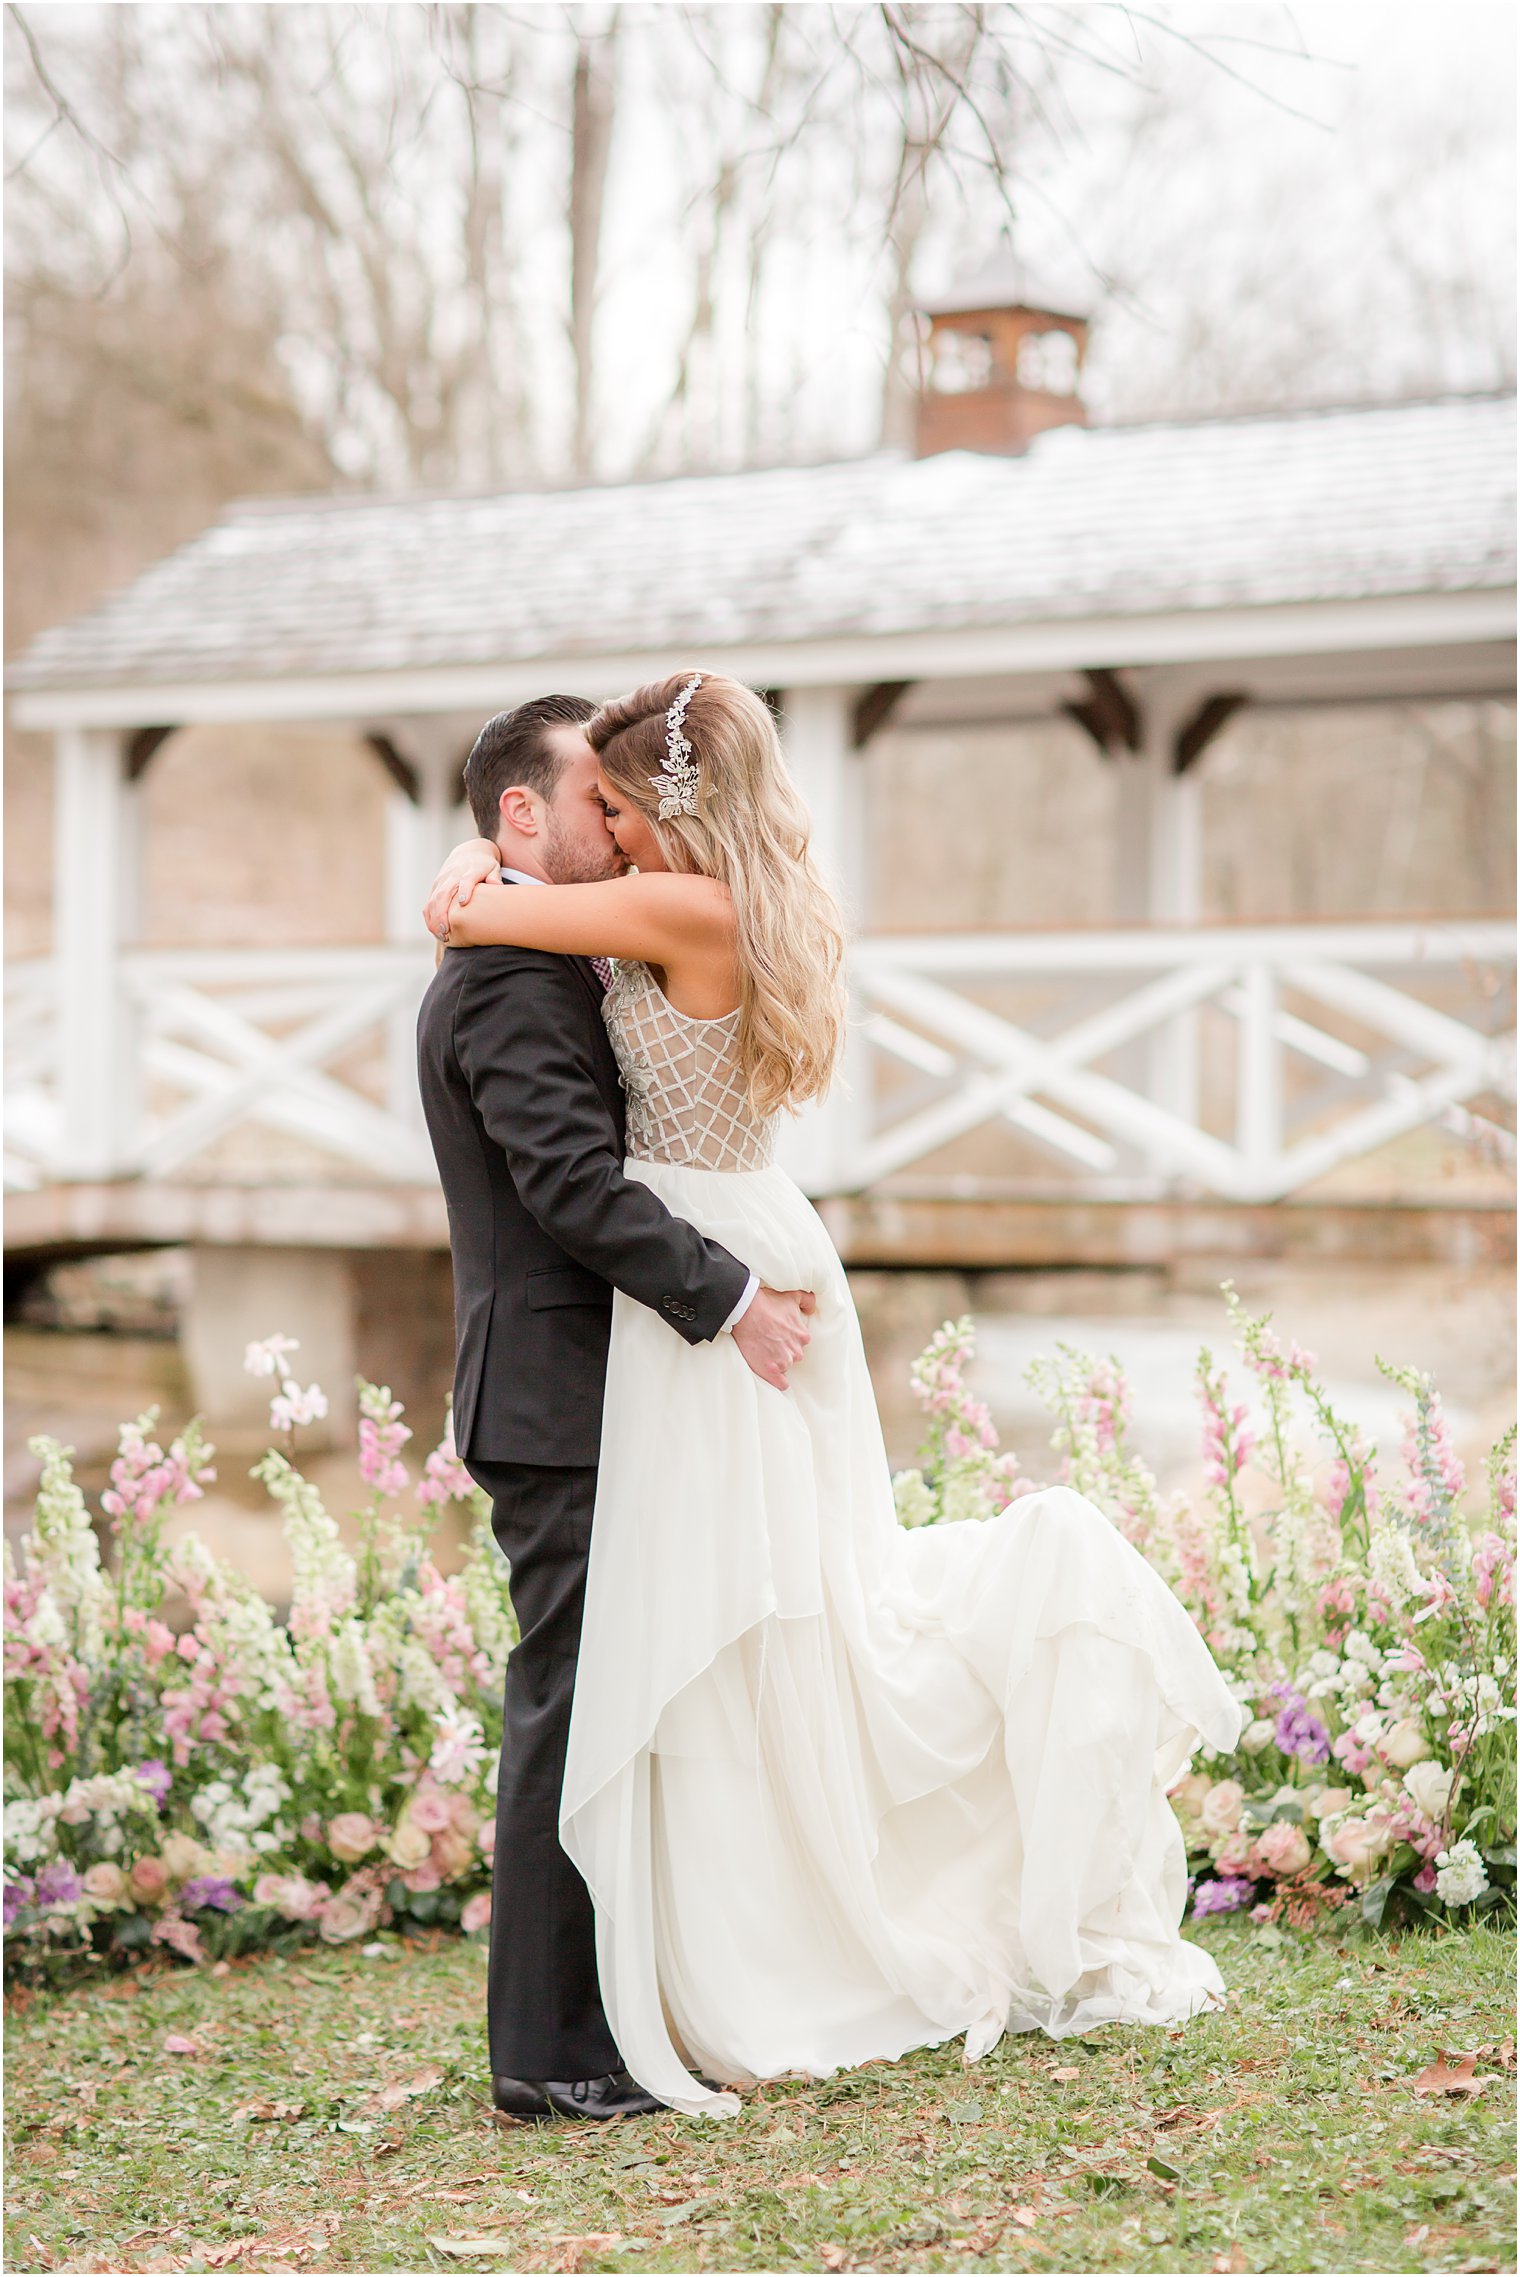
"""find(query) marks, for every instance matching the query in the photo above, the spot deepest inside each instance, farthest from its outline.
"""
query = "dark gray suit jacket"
(525, 1111)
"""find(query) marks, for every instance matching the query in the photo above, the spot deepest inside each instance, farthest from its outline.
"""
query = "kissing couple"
(785, 1787)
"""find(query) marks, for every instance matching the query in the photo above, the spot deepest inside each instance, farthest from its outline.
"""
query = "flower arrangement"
(1368, 1626)
(187, 1773)
(184, 1771)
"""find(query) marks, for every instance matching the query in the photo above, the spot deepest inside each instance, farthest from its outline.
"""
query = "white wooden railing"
(1236, 1061)
(313, 1044)
(1209, 1031)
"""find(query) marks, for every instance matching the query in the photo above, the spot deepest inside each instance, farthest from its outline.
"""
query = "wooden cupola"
(1004, 364)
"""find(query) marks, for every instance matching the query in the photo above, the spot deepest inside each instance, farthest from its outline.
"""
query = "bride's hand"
(467, 867)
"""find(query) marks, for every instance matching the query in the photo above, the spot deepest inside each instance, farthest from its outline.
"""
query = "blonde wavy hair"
(751, 832)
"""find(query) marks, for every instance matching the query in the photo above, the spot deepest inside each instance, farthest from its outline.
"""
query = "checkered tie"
(602, 967)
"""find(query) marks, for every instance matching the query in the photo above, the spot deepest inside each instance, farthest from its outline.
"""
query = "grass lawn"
(331, 2113)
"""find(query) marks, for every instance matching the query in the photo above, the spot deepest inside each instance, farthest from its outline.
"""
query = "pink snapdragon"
(1493, 1569)
(382, 1435)
(444, 1477)
(143, 1476)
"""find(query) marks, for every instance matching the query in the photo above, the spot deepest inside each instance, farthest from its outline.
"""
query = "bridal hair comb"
(677, 786)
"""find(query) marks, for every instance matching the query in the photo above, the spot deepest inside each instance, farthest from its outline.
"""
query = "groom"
(525, 1112)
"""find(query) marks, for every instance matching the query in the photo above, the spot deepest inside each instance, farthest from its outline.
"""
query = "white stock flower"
(913, 1498)
(1391, 1566)
(1359, 1646)
(350, 1670)
(1258, 1735)
(1460, 1874)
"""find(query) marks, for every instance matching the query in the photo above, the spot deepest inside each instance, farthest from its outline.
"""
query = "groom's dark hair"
(514, 749)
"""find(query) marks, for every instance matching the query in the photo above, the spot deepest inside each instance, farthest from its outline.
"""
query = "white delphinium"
(351, 1673)
(1460, 1874)
(1237, 1575)
(422, 1682)
(63, 1551)
(487, 1596)
(325, 1582)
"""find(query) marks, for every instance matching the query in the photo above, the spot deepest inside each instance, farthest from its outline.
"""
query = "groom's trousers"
(544, 2009)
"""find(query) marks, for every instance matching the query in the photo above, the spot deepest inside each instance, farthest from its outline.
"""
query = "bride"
(838, 1789)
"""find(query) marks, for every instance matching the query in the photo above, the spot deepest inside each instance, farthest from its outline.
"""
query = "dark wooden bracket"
(1108, 712)
(1194, 738)
(140, 747)
(401, 771)
(873, 708)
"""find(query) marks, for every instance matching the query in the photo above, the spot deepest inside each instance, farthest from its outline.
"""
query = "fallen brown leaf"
(264, 2109)
(1449, 2075)
(1025, 2216)
(402, 2090)
(1066, 2071)
(833, 2257)
(179, 2044)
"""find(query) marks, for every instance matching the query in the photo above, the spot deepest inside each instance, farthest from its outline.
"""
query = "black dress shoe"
(614, 2096)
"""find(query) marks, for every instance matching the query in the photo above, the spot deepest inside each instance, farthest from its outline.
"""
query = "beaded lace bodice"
(686, 1097)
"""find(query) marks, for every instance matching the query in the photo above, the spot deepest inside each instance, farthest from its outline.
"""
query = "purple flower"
(1227, 1895)
(1297, 1732)
(155, 1776)
(57, 1884)
(17, 1894)
(210, 1889)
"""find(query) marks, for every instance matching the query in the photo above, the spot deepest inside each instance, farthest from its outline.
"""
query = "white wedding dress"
(840, 1789)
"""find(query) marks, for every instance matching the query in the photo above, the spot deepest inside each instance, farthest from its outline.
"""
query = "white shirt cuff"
(751, 1290)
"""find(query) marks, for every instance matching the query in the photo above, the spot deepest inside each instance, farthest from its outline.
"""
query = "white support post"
(1160, 876)
(417, 836)
(1258, 1092)
(825, 1148)
(95, 898)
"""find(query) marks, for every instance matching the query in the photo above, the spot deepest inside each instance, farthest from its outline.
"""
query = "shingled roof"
(1320, 505)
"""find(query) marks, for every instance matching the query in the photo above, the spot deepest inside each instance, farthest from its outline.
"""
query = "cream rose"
(1324, 1802)
(106, 1885)
(1220, 1812)
(1404, 1744)
(408, 1845)
(351, 1836)
(1429, 1786)
(1258, 1736)
(1357, 1844)
(1187, 1796)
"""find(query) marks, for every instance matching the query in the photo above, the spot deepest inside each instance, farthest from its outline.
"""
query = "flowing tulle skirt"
(840, 1789)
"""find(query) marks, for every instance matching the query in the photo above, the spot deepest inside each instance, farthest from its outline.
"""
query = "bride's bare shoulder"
(705, 905)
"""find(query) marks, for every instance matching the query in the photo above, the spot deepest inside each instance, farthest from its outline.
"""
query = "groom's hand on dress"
(774, 1332)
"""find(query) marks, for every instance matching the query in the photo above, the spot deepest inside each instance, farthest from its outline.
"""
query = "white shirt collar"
(521, 877)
